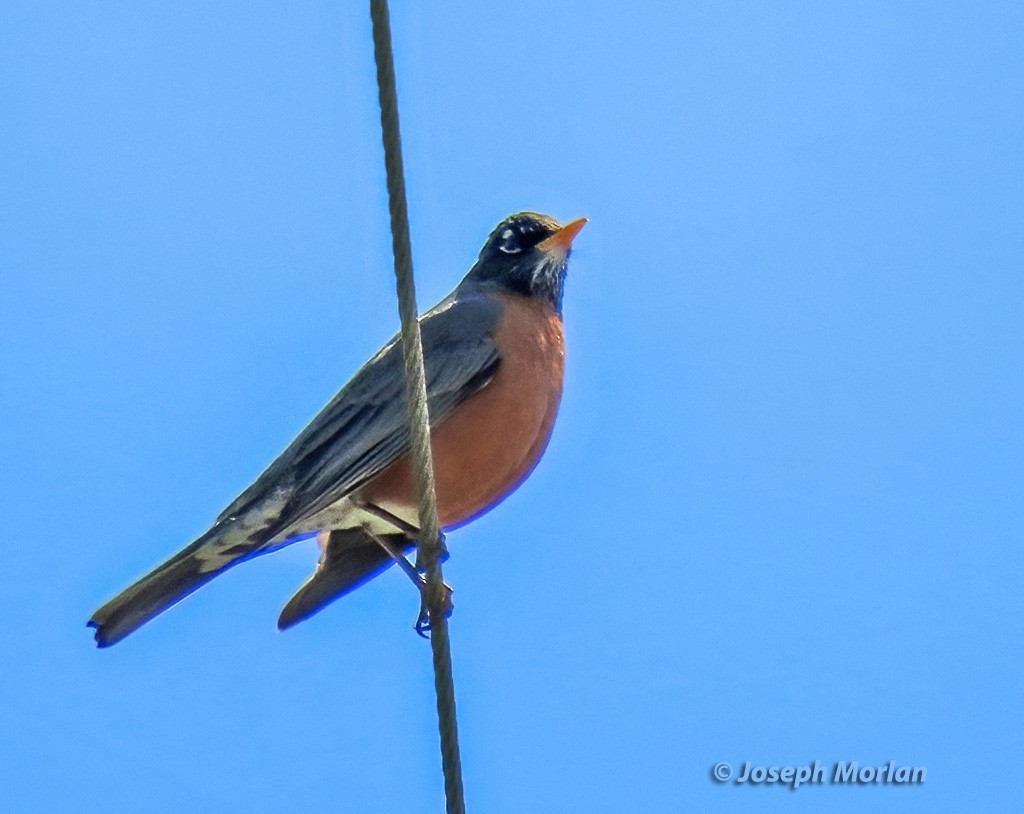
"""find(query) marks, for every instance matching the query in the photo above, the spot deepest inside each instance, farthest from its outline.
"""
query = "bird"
(494, 355)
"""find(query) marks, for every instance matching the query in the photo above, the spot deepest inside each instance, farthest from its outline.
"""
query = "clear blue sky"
(780, 519)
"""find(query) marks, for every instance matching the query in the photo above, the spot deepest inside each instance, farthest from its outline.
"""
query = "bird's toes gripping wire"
(422, 626)
(416, 574)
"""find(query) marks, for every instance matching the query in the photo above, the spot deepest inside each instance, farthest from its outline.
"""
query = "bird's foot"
(418, 577)
(422, 626)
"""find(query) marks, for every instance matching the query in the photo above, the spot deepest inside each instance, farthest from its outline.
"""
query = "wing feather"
(363, 428)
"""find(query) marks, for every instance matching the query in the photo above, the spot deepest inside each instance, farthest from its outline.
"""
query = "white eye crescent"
(508, 243)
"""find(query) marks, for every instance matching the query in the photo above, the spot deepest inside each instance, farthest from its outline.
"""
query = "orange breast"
(492, 441)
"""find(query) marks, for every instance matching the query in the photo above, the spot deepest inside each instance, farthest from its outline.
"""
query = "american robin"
(494, 355)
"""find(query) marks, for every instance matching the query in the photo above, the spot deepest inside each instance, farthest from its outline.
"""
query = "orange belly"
(492, 441)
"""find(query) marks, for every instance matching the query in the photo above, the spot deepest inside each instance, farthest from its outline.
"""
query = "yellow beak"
(562, 239)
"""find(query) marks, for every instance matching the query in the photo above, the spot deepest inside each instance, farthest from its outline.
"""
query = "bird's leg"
(407, 567)
(422, 625)
(407, 529)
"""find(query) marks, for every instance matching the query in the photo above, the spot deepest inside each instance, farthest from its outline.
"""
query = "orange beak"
(561, 240)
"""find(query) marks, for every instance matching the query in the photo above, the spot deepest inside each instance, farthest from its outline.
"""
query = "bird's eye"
(510, 242)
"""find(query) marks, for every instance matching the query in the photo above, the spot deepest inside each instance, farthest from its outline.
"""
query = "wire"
(431, 548)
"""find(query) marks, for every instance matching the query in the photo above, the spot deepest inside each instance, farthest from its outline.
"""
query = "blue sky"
(780, 517)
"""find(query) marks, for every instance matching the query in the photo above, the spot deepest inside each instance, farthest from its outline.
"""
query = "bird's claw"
(422, 626)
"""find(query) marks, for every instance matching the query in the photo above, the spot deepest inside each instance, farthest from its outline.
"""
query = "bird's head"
(527, 253)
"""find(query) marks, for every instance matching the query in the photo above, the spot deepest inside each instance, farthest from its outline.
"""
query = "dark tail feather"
(350, 558)
(164, 586)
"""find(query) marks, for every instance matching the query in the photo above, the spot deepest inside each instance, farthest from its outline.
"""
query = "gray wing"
(363, 428)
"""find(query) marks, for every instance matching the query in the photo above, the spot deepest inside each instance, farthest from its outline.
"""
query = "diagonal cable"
(430, 549)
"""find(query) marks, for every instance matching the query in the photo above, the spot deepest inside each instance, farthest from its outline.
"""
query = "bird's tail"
(189, 569)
